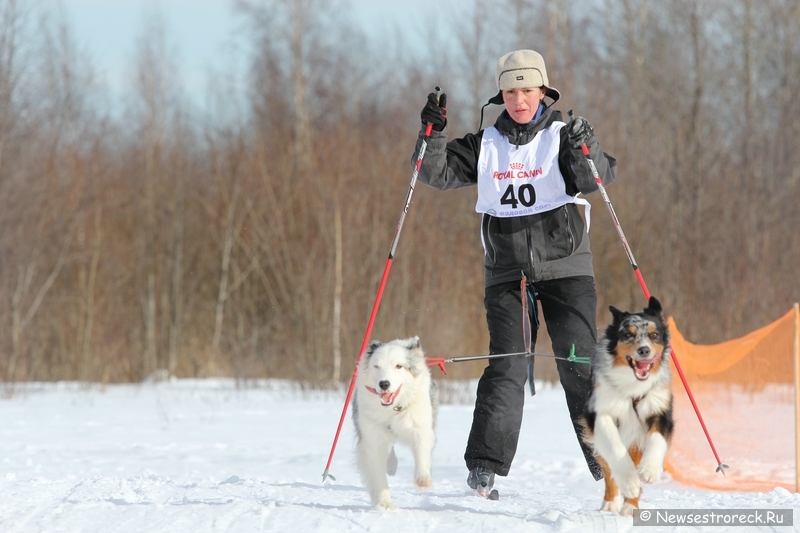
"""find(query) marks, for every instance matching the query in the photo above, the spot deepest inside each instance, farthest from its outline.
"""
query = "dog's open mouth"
(387, 398)
(641, 369)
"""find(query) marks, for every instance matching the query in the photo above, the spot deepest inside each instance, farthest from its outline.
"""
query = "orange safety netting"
(745, 391)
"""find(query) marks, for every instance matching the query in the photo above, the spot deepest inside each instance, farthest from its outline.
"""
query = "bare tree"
(253, 246)
(15, 55)
(157, 88)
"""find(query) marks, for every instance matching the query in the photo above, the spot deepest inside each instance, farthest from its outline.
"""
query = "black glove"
(435, 112)
(579, 132)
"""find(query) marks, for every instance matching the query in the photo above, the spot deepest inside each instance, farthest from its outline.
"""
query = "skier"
(530, 171)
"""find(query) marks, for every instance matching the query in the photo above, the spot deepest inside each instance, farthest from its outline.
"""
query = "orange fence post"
(797, 397)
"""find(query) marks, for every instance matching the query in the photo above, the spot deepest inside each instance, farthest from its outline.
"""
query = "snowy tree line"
(247, 239)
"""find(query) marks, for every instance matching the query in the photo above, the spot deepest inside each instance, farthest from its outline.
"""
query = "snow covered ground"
(193, 456)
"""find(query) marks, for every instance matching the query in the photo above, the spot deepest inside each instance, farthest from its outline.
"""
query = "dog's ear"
(653, 307)
(416, 361)
(373, 345)
(617, 314)
(412, 343)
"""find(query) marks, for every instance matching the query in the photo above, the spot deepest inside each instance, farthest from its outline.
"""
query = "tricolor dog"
(629, 422)
(395, 401)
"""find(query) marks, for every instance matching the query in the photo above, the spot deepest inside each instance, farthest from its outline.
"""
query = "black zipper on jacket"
(569, 229)
(530, 253)
(490, 248)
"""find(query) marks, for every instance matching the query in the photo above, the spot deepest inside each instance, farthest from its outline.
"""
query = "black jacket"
(545, 246)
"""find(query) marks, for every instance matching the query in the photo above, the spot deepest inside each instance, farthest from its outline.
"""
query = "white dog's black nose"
(384, 384)
(644, 351)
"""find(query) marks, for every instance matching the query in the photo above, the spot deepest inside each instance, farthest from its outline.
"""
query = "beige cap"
(524, 69)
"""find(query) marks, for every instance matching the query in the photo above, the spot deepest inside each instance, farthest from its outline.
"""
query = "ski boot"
(481, 480)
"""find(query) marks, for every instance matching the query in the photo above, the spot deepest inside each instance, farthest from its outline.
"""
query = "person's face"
(522, 104)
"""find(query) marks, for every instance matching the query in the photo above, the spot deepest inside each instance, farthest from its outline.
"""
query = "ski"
(491, 495)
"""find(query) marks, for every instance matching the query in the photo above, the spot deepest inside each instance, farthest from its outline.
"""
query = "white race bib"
(522, 180)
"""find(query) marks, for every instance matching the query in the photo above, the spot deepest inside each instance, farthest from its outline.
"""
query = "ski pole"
(428, 127)
(585, 149)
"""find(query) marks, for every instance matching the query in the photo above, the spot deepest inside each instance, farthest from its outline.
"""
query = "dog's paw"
(423, 482)
(612, 506)
(629, 486)
(385, 503)
(650, 471)
(386, 506)
(628, 509)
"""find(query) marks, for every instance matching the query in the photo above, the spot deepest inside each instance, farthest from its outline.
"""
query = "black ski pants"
(569, 308)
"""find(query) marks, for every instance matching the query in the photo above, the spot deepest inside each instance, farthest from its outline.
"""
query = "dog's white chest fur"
(630, 402)
(630, 412)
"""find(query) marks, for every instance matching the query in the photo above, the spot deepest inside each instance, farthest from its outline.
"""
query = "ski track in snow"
(193, 456)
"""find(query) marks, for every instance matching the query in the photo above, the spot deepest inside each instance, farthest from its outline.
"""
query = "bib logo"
(517, 170)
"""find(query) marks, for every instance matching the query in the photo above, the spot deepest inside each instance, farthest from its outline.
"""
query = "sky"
(214, 455)
(202, 32)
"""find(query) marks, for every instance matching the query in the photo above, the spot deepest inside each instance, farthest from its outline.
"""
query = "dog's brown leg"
(636, 454)
(611, 499)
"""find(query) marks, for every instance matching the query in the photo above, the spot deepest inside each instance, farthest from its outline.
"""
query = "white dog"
(395, 400)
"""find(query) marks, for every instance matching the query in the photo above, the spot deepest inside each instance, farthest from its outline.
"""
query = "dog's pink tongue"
(387, 398)
(642, 368)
